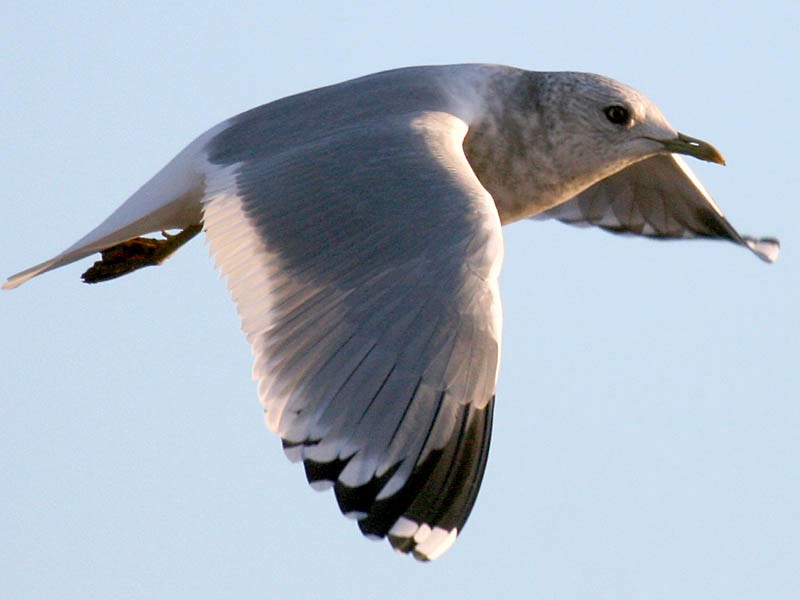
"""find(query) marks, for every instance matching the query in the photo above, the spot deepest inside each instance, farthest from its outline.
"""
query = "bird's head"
(555, 134)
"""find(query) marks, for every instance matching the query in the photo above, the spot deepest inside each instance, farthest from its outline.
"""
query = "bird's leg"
(134, 254)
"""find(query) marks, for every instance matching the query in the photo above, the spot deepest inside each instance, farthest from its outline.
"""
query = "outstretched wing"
(363, 265)
(658, 197)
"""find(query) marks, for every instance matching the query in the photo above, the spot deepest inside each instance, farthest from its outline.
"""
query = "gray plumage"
(359, 229)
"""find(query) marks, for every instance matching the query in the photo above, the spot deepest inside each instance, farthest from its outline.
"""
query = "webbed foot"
(134, 254)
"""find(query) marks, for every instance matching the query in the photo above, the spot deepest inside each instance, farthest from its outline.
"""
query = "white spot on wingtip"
(356, 515)
(437, 543)
(422, 533)
(404, 528)
(321, 485)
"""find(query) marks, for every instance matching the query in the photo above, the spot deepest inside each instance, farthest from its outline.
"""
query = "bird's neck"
(511, 146)
(521, 183)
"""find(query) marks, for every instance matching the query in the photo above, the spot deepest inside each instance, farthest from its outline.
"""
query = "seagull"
(359, 229)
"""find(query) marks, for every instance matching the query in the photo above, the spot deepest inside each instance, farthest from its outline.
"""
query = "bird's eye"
(617, 114)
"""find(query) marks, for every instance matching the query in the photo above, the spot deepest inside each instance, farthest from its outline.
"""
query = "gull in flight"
(359, 229)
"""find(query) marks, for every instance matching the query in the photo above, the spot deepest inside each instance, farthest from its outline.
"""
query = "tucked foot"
(134, 254)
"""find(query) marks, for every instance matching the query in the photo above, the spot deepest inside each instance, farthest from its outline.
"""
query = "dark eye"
(618, 115)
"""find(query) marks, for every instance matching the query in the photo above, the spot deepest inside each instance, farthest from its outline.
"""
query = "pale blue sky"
(647, 429)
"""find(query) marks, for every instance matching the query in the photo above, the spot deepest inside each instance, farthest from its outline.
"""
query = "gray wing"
(364, 268)
(658, 197)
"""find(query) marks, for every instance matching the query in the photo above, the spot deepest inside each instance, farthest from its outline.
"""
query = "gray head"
(551, 135)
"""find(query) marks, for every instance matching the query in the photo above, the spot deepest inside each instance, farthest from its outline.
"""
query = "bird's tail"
(172, 199)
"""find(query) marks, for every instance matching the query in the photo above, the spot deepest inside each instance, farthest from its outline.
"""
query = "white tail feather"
(172, 199)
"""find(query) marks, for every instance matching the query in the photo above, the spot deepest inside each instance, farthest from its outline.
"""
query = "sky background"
(647, 428)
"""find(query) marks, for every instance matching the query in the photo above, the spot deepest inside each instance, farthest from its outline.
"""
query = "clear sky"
(647, 428)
